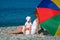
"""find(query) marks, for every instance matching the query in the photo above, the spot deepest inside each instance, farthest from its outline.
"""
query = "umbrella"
(49, 16)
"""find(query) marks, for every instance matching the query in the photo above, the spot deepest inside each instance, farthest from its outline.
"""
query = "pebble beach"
(5, 36)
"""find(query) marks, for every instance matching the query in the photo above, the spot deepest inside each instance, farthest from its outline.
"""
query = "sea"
(14, 12)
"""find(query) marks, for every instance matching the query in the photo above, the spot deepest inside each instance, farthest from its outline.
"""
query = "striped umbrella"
(49, 16)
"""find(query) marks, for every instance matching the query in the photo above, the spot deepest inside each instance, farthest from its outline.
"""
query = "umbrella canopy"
(49, 14)
(57, 2)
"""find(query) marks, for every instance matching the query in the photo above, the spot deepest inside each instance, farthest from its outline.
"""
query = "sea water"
(14, 12)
